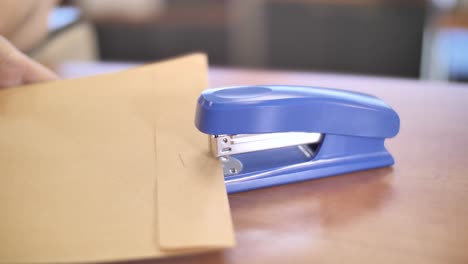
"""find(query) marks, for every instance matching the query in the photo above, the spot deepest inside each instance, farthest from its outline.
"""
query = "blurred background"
(409, 39)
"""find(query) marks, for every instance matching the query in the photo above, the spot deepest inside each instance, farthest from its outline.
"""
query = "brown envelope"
(109, 167)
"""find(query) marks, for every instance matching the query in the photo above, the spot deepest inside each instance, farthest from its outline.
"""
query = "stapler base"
(337, 155)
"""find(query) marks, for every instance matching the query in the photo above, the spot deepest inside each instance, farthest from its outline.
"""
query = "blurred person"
(23, 24)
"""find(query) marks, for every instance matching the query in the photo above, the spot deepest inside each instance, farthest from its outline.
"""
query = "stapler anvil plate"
(271, 135)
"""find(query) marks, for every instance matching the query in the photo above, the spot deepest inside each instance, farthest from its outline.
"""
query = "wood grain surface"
(413, 212)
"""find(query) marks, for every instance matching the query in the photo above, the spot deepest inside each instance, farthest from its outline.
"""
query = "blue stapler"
(271, 135)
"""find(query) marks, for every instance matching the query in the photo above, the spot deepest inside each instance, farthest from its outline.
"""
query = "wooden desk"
(414, 212)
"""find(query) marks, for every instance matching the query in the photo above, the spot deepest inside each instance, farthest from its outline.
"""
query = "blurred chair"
(380, 37)
(367, 37)
(147, 30)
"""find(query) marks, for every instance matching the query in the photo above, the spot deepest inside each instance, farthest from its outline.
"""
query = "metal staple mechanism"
(223, 146)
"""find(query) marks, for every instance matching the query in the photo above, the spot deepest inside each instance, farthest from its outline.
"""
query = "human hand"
(16, 68)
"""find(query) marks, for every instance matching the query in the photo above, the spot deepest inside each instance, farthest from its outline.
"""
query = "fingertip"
(16, 68)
